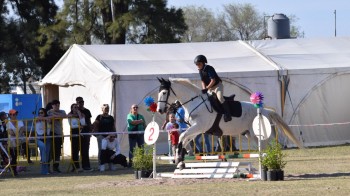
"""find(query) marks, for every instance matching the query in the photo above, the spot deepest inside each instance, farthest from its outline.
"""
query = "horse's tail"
(282, 125)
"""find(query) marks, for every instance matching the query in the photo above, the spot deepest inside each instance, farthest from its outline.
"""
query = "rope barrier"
(314, 125)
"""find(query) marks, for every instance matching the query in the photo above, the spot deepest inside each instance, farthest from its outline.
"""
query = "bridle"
(169, 89)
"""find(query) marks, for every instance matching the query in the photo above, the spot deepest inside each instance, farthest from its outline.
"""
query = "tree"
(125, 21)
(22, 57)
(236, 22)
(244, 21)
(154, 23)
(202, 25)
(295, 30)
(5, 78)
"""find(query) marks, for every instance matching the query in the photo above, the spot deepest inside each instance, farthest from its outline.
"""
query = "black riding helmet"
(200, 58)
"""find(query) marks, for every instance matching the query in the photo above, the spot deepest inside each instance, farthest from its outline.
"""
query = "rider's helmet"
(200, 58)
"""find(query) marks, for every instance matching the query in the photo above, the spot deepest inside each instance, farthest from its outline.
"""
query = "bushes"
(143, 158)
(274, 159)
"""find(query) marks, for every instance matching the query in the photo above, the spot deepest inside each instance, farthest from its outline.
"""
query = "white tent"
(305, 80)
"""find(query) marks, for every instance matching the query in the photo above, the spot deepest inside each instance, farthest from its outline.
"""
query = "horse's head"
(163, 95)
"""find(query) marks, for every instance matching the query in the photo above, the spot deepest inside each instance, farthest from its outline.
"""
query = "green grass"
(312, 171)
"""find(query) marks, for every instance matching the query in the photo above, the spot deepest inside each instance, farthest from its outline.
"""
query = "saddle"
(235, 108)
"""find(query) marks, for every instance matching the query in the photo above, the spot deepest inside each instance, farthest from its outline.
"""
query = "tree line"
(35, 34)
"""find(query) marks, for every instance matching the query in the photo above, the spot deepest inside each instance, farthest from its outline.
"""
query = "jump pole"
(259, 140)
(261, 125)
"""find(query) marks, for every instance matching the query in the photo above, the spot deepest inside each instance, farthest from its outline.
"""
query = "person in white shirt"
(15, 128)
(43, 130)
(110, 153)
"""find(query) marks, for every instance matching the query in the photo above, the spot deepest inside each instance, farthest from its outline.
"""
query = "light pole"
(265, 30)
(112, 10)
(335, 23)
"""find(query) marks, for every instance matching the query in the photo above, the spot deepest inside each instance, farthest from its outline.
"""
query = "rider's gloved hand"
(204, 91)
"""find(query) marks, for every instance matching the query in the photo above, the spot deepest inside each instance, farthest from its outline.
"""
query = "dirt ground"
(177, 182)
(153, 182)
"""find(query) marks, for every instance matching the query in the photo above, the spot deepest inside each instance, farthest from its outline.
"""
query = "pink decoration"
(257, 99)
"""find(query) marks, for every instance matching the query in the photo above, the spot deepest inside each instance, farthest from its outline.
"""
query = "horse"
(201, 116)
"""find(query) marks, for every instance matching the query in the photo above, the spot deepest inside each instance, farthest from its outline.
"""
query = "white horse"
(201, 115)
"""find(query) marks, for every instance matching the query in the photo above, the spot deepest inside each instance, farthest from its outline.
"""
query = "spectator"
(199, 144)
(174, 138)
(102, 124)
(3, 119)
(85, 139)
(169, 126)
(48, 106)
(171, 110)
(3, 137)
(180, 116)
(15, 129)
(136, 122)
(74, 117)
(224, 144)
(57, 116)
(43, 129)
(110, 153)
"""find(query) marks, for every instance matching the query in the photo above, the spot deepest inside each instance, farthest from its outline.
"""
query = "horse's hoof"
(181, 165)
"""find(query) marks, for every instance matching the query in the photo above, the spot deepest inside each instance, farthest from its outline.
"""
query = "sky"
(316, 18)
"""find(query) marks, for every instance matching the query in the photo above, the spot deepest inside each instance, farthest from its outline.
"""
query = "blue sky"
(316, 17)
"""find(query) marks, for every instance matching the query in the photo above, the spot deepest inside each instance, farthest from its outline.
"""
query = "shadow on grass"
(319, 175)
(33, 171)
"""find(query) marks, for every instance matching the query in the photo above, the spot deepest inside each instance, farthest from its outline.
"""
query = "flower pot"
(136, 173)
(263, 174)
(280, 174)
(272, 175)
(144, 174)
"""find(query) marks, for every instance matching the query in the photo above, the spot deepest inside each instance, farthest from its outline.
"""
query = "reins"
(210, 110)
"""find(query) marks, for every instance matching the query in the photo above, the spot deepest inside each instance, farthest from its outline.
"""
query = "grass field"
(312, 171)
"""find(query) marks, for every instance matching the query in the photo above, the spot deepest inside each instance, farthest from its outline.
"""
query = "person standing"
(3, 137)
(199, 146)
(180, 116)
(104, 123)
(74, 118)
(15, 129)
(85, 139)
(174, 138)
(211, 82)
(136, 122)
(56, 115)
(43, 130)
(169, 126)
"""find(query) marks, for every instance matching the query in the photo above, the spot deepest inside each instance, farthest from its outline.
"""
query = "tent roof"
(177, 58)
(149, 59)
(301, 54)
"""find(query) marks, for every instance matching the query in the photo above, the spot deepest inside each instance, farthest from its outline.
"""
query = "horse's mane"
(186, 82)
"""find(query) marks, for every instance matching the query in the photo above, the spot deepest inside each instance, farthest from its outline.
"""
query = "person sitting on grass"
(110, 153)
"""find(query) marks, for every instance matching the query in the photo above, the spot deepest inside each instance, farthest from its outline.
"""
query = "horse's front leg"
(184, 141)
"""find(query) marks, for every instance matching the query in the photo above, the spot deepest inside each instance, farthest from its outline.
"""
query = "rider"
(212, 82)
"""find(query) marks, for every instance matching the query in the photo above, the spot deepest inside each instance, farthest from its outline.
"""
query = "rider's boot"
(227, 114)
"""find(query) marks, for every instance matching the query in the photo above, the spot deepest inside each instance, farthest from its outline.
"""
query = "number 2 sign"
(151, 133)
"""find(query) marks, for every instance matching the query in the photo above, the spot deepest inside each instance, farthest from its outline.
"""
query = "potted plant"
(143, 161)
(264, 168)
(274, 162)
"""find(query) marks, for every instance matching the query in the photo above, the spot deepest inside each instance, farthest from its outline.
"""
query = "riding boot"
(227, 114)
